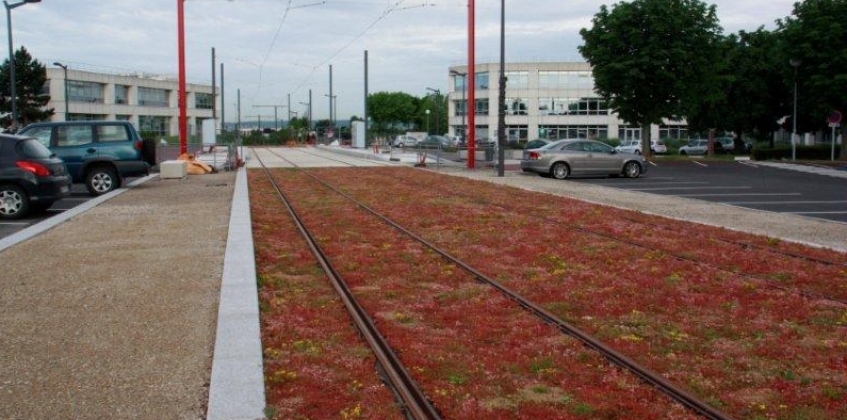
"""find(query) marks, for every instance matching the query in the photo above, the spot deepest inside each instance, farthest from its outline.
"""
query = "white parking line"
(740, 195)
(786, 202)
(691, 188)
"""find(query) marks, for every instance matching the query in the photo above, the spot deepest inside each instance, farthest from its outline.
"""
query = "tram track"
(655, 380)
(633, 240)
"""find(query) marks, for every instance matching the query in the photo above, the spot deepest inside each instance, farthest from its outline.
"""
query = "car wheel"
(682, 152)
(14, 202)
(101, 180)
(560, 170)
(632, 170)
(637, 152)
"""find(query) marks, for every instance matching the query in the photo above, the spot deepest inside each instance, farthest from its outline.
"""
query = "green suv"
(99, 154)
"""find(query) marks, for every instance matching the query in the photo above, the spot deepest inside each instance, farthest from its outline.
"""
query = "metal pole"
(471, 86)
(501, 116)
(223, 102)
(794, 63)
(11, 67)
(214, 93)
(183, 108)
(366, 99)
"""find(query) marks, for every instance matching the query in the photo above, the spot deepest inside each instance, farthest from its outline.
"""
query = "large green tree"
(816, 39)
(436, 104)
(30, 79)
(753, 94)
(650, 58)
(392, 112)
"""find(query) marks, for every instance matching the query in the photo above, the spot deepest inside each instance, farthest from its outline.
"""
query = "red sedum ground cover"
(759, 335)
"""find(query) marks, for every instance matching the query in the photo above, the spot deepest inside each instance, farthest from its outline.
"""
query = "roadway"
(743, 184)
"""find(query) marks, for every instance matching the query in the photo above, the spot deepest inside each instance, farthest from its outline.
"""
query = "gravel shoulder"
(113, 315)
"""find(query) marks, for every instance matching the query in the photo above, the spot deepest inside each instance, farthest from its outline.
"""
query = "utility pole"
(223, 102)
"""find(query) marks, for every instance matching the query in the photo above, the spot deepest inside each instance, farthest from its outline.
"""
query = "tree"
(753, 90)
(816, 37)
(30, 79)
(652, 58)
(391, 112)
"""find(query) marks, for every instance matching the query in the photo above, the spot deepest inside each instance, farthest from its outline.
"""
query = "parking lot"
(744, 184)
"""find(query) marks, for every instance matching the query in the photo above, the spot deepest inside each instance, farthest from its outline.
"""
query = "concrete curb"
(237, 389)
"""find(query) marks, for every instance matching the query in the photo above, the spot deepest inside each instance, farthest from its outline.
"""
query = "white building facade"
(150, 103)
(543, 100)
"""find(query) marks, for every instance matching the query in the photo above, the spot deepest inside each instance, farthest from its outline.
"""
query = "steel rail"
(412, 398)
(656, 380)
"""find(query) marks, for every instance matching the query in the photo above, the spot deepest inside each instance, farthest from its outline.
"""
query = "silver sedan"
(564, 158)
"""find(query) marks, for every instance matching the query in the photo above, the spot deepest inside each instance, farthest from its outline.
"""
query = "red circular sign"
(834, 117)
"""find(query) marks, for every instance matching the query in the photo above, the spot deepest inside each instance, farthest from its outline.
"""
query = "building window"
(481, 81)
(79, 91)
(121, 94)
(572, 106)
(85, 117)
(565, 80)
(461, 107)
(517, 80)
(153, 97)
(673, 132)
(459, 83)
(516, 106)
(204, 100)
(554, 132)
(626, 132)
(123, 117)
(481, 107)
(516, 133)
(153, 125)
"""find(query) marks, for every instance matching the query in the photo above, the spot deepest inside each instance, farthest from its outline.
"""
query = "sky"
(273, 50)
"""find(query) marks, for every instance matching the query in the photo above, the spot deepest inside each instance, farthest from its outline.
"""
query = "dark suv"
(31, 177)
(98, 153)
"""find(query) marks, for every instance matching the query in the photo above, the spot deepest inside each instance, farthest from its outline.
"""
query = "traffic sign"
(834, 118)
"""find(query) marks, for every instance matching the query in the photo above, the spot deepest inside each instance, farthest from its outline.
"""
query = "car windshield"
(33, 149)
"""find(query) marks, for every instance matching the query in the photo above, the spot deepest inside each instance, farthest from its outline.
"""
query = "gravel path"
(112, 316)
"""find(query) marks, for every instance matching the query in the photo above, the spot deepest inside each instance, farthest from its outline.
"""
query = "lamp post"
(427, 122)
(65, 68)
(794, 63)
(464, 105)
(437, 93)
(12, 82)
(501, 115)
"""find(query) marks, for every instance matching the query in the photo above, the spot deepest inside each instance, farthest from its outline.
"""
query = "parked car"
(404, 141)
(534, 144)
(98, 153)
(695, 147)
(31, 177)
(634, 146)
(435, 142)
(563, 158)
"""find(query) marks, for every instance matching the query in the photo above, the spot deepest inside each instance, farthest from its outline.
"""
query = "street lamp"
(464, 105)
(794, 63)
(65, 68)
(427, 122)
(13, 88)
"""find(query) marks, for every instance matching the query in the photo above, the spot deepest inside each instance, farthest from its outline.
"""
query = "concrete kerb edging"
(237, 389)
(64, 216)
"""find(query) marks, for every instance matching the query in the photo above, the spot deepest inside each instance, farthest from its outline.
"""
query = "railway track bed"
(733, 346)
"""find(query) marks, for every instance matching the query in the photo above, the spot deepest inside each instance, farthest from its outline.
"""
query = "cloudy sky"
(275, 48)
